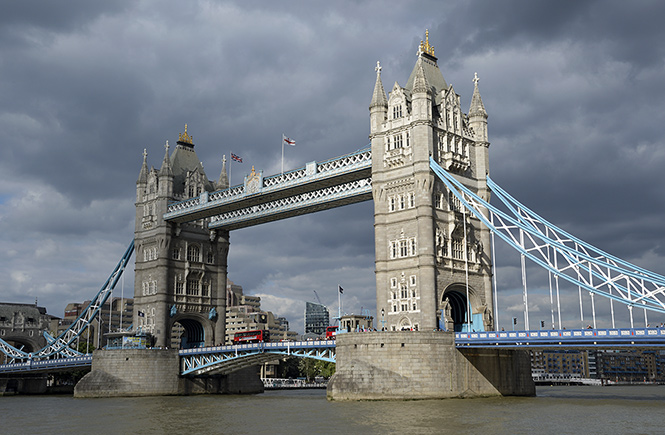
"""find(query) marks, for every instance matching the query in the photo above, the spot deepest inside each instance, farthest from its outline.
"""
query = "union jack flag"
(236, 158)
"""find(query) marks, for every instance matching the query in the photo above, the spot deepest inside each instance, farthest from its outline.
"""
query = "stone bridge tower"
(431, 256)
(181, 269)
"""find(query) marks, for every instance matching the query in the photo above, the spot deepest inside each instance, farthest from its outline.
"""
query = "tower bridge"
(427, 172)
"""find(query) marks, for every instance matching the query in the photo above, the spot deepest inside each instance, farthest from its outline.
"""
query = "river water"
(555, 410)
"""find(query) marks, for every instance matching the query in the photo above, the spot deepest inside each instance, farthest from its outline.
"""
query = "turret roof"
(432, 73)
(379, 96)
(477, 106)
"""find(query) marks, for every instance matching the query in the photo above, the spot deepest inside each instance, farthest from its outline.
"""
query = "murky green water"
(556, 410)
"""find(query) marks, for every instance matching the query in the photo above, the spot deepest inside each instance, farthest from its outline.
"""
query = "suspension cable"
(525, 295)
(466, 274)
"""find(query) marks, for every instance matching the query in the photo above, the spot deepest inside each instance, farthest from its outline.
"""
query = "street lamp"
(383, 322)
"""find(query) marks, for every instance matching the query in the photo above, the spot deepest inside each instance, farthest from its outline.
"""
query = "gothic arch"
(453, 303)
(404, 324)
(192, 331)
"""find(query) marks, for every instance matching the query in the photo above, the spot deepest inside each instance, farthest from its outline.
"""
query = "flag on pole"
(236, 158)
(289, 141)
(341, 290)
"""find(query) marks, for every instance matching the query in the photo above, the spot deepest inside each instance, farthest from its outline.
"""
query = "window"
(193, 253)
(179, 288)
(458, 249)
(393, 282)
(412, 200)
(407, 139)
(211, 257)
(149, 254)
(403, 252)
(192, 287)
(176, 254)
(402, 202)
(454, 202)
(412, 280)
(397, 139)
(392, 203)
(397, 111)
(404, 247)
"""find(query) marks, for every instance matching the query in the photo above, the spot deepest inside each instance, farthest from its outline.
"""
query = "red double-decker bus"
(254, 336)
(331, 332)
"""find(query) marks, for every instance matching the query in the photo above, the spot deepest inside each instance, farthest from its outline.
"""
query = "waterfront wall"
(26, 384)
(424, 365)
(156, 372)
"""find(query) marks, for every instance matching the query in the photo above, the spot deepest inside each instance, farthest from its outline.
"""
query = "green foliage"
(310, 368)
(288, 368)
(294, 367)
(84, 347)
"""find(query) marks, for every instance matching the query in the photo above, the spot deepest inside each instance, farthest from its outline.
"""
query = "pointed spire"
(166, 163)
(143, 175)
(477, 107)
(379, 98)
(223, 181)
(420, 81)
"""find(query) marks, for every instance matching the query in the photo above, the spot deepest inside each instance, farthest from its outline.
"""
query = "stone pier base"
(155, 372)
(424, 365)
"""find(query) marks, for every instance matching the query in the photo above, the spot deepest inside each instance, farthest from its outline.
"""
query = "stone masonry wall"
(423, 365)
(131, 372)
(156, 372)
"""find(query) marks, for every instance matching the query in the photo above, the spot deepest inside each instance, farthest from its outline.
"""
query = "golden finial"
(184, 137)
(425, 47)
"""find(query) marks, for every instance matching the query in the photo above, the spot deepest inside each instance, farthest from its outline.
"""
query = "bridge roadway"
(227, 359)
(564, 338)
(316, 186)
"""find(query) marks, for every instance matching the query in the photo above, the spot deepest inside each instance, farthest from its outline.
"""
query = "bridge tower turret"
(181, 269)
(432, 259)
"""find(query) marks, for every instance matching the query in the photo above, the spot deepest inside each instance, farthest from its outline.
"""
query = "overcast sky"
(575, 92)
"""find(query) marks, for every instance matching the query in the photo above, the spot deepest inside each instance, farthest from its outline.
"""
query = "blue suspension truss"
(557, 251)
(60, 347)
(228, 359)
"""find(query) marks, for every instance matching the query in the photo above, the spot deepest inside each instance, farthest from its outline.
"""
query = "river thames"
(555, 410)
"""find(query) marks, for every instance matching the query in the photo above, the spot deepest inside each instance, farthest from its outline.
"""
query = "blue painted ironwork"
(581, 264)
(228, 359)
(565, 338)
(60, 346)
(48, 365)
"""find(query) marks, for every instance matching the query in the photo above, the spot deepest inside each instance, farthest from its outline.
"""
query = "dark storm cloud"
(574, 92)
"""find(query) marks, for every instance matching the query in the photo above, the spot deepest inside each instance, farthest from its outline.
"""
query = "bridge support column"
(424, 365)
(156, 372)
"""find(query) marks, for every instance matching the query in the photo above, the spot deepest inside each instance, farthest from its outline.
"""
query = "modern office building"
(317, 318)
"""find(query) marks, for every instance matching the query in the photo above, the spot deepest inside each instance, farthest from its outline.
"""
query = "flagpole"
(339, 304)
(230, 164)
(282, 153)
